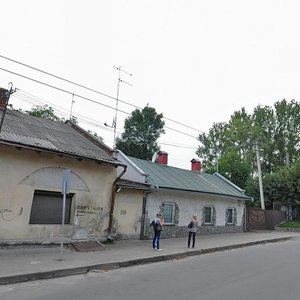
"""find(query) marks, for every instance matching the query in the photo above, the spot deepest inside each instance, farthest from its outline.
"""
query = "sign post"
(65, 191)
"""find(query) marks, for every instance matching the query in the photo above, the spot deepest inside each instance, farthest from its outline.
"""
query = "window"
(230, 216)
(168, 213)
(47, 208)
(208, 215)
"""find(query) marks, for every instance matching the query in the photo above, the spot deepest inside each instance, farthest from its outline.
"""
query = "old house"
(131, 192)
(34, 152)
(178, 194)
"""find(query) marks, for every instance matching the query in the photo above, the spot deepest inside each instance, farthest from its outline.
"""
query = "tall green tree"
(287, 131)
(231, 144)
(141, 132)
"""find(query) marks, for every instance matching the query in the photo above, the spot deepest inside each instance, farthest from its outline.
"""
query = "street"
(269, 271)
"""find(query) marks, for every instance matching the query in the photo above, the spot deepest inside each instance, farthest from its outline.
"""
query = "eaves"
(208, 193)
(68, 154)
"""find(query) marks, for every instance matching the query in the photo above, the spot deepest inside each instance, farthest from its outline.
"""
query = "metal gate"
(259, 219)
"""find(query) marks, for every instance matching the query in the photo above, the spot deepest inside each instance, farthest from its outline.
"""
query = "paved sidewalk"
(18, 264)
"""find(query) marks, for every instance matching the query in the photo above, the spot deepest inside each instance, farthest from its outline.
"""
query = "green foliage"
(95, 135)
(290, 225)
(141, 132)
(45, 112)
(229, 147)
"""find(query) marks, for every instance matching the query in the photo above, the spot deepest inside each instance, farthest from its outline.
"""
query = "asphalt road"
(269, 271)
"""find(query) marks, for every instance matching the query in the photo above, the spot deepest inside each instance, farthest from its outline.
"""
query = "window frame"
(234, 217)
(211, 215)
(173, 213)
(42, 195)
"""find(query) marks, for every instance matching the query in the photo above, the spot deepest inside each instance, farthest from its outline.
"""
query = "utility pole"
(71, 112)
(262, 201)
(117, 100)
(4, 97)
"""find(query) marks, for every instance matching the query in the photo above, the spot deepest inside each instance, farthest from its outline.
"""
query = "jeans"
(189, 240)
(155, 242)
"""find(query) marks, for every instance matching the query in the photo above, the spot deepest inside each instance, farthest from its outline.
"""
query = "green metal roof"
(180, 179)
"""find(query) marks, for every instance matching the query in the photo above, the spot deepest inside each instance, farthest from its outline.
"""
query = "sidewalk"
(26, 263)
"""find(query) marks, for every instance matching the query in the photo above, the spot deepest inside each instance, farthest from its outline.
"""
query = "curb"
(123, 264)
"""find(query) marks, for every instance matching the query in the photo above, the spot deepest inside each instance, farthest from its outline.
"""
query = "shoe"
(160, 249)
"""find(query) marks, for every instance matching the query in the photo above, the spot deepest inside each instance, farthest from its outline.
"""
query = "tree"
(45, 112)
(276, 130)
(141, 132)
(227, 148)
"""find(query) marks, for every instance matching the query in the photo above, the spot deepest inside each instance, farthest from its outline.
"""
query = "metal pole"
(262, 201)
(63, 223)
(117, 102)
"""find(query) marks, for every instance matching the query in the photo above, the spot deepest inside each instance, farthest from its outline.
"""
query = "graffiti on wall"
(83, 210)
(8, 215)
(95, 220)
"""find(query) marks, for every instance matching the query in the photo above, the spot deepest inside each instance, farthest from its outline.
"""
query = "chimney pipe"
(196, 165)
(162, 158)
(3, 98)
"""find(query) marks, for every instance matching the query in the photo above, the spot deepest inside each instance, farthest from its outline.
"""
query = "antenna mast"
(117, 100)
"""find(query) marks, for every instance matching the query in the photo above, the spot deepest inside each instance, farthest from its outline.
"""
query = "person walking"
(157, 226)
(193, 225)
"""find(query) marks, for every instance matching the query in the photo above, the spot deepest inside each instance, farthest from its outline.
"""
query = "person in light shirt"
(193, 225)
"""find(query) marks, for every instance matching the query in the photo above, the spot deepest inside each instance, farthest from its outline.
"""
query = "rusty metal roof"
(168, 177)
(23, 130)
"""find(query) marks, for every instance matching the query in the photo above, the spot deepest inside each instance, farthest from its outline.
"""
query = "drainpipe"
(112, 204)
(143, 229)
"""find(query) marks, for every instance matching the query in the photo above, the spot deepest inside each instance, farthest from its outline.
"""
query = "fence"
(258, 219)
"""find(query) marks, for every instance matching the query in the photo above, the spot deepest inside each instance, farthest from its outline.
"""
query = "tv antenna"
(119, 69)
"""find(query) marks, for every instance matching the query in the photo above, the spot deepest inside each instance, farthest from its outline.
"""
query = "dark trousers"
(155, 242)
(194, 237)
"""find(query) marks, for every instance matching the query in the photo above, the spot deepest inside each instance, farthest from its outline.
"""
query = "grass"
(290, 224)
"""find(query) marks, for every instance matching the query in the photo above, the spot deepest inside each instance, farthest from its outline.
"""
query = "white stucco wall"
(132, 173)
(128, 213)
(23, 171)
(192, 203)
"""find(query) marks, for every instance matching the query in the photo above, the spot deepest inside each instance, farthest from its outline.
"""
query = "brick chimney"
(3, 98)
(196, 165)
(162, 158)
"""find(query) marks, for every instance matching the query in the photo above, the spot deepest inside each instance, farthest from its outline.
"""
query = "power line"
(82, 97)
(90, 89)
(24, 96)
(29, 98)
(61, 90)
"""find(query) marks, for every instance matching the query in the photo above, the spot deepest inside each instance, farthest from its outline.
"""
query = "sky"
(194, 61)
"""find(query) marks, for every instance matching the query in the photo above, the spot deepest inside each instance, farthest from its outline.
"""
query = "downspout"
(112, 204)
(143, 229)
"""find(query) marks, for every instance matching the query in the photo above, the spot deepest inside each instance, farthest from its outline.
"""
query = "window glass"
(47, 208)
(230, 216)
(168, 214)
(207, 215)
